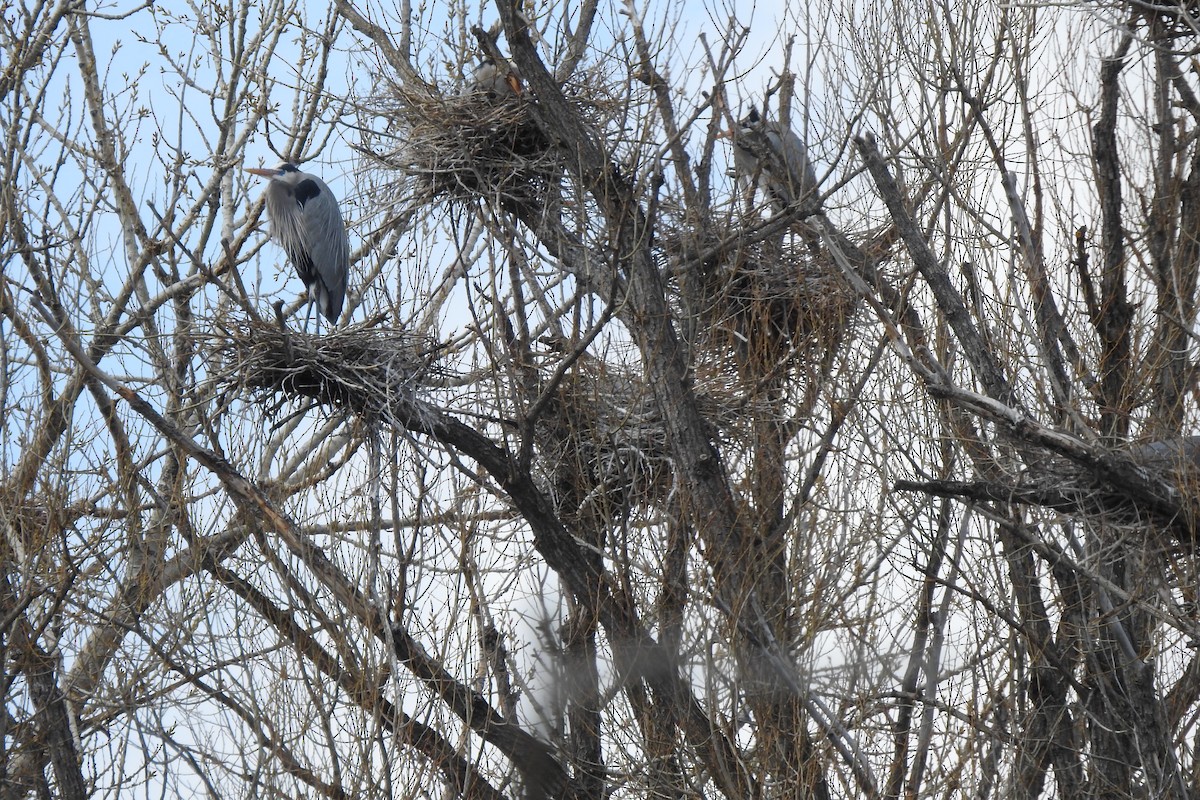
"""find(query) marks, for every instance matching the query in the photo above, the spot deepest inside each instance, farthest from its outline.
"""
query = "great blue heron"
(493, 81)
(769, 156)
(308, 225)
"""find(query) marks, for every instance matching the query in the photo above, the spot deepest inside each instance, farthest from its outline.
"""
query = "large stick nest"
(1148, 487)
(762, 301)
(1172, 468)
(372, 372)
(461, 146)
(602, 440)
(602, 443)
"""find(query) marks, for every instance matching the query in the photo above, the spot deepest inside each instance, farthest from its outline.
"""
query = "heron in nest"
(766, 154)
(495, 81)
(307, 223)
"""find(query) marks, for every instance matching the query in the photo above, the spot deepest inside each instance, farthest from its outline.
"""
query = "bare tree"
(839, 449)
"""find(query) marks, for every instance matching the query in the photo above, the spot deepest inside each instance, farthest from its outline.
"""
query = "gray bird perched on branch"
(308, 225)
(773, 158)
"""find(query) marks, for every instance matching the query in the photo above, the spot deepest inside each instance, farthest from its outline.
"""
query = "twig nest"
(761, 301)
(369, 371)
(602, 443)
(796, 292)
(461, 146)
(1166, 475)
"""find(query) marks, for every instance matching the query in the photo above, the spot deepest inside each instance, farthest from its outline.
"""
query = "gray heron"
(767, 155)
(488, 78)
(308, 225)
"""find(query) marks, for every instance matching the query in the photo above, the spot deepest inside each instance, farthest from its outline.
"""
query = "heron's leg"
(308, 308)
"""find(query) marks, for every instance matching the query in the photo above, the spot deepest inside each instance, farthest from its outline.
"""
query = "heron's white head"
(285, 171)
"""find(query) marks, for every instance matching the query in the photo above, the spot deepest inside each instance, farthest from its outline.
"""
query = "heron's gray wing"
(756, 162)
(287, 226)
(323, 233)
(797, 166)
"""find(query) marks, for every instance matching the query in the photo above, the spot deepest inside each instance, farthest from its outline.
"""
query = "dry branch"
(1092, 484)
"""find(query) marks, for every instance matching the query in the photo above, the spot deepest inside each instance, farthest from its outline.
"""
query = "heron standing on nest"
(308, 225)
(774, 158)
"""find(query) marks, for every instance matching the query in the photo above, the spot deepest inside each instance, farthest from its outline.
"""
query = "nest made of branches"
(769, 300)
(366, 370)
(1146, 491)
(469, 142)
(602, 440)
(1172, 472)
(461, 146)
(602, 444)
